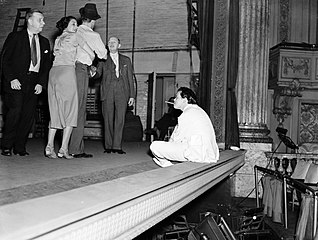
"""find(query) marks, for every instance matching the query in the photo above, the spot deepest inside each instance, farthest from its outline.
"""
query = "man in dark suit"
(117, 92)
(25, 66)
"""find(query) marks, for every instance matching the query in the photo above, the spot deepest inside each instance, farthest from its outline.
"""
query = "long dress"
(62, 89)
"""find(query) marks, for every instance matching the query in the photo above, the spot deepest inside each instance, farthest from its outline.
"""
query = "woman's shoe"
(63, 153)
(49, 152)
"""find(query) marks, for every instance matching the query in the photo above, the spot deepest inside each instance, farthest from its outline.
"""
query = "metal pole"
(285, 202)
(256, 186)
(315, 214)
(107, 12)
(65, 7)
(133, 54)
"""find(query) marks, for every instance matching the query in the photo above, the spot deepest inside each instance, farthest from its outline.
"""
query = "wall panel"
(297, 19)
(8, 12)
(120, 21)
(161, 23)
(158, 24)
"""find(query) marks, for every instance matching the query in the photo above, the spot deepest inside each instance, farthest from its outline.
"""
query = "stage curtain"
(205, 22)
(232, 128)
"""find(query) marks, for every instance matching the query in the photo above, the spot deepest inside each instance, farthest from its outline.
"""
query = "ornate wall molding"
(284, 23)
(308, 123)
(219, 71)
(296, 67)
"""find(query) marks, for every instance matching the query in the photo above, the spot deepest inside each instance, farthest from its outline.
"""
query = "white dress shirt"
(94, 44)
(115, 57)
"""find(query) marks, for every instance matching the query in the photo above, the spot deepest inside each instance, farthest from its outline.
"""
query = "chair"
(180, 229)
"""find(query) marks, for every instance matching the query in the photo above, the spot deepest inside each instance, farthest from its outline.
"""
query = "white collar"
(114, 54)
(85, 27)
(31, 33)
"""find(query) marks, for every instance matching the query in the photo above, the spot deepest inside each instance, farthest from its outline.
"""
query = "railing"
(285, 163)
(283, 173)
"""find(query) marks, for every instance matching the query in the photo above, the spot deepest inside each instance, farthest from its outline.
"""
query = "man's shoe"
(162, 162)
(23, 153)
(87, 155)
(79, 155)
(82, 155)
(6, 152)
(107, 151)
(119, 151)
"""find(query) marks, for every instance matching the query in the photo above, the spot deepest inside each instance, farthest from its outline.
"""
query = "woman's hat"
(89, 11)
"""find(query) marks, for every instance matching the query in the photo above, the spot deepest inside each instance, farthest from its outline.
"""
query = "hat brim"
(96, 17)
(81, 11)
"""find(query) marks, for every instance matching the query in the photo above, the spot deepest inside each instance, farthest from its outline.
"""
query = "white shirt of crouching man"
(193, 139)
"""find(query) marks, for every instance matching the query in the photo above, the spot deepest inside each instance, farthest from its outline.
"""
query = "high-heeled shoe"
(63, 153)
(49, 152)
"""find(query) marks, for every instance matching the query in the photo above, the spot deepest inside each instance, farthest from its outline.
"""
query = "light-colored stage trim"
(118, 209)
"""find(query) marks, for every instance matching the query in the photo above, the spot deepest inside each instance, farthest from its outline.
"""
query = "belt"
(31, 73)
(77, 62)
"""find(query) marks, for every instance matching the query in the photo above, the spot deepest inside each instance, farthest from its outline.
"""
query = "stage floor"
(32, 176)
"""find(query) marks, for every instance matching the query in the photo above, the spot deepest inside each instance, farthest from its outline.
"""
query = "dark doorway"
(160, 88)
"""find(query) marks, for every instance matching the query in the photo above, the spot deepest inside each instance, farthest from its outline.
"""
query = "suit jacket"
(107, 70)
(17, 56)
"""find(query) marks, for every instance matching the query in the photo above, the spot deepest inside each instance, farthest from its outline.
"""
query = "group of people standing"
(27, 67)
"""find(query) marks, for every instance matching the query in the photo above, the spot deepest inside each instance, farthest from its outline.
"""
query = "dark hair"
(188, 94)
(30, 13)
(63, 22)
(85, 19)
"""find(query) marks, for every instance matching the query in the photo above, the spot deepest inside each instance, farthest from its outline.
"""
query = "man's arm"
(130, 83)
(97, 72)
(95, 42)
(7, 57)
(9, 61)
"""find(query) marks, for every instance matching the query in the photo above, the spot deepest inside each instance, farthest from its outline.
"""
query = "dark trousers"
(19, 118)
(76, 145)
(114, 109)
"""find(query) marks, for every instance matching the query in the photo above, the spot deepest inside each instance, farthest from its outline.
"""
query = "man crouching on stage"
(193, 139)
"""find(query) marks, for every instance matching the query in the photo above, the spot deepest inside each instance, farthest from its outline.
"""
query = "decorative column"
(252, 85)
(253, 70)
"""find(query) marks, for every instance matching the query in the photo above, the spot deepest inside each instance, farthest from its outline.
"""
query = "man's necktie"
(33, 51)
